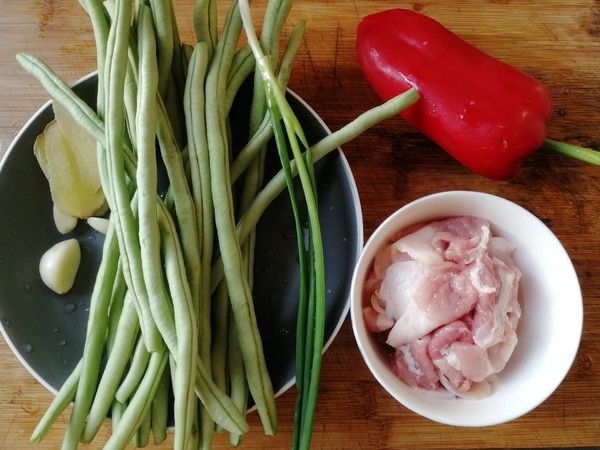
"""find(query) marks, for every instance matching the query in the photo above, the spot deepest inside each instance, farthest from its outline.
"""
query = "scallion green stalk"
(311, 306)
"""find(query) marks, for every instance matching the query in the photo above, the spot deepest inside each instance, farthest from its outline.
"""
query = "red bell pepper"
(486, 114)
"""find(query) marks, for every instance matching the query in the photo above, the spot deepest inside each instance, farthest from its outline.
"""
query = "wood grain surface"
(557, 42)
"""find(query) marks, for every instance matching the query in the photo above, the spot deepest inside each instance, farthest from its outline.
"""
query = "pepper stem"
(572, 151)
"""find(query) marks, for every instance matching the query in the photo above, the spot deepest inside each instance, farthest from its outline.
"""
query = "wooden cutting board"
(557, 42)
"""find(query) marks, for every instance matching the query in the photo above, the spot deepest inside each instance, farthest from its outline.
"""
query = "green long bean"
(146, 125)
(141, 438)
(160, 409)
(194, 113)
(239, 290)
(237, 379)
(135, 411)
(117, 305)
(165, 255)
(100, 27)
(138, 364)
(94, 342)
(218, 404)
(186, 353)
(163, 56)
(184, 213)
(205, 24)
(61, 401)
(114, 173)
(116, 365)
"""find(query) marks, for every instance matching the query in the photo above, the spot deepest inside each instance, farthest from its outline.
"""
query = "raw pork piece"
(445, 297)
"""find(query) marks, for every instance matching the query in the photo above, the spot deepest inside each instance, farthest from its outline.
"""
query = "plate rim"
(358, 237)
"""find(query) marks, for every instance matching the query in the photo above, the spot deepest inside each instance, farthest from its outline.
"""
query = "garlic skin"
(59, 265)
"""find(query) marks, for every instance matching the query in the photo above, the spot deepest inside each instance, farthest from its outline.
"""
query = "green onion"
(311, 307)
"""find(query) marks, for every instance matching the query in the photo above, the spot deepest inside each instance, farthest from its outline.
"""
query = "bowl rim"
(383, 374)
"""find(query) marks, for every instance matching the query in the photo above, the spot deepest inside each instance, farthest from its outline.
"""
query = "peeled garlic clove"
(59, 265)
(64, 223)
(98, 223)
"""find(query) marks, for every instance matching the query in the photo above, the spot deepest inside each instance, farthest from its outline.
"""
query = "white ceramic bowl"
(549, 330)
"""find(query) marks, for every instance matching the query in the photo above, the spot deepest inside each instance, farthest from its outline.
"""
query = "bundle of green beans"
(171, 313)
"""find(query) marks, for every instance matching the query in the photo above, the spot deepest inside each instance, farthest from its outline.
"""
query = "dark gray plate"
(46, 331)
